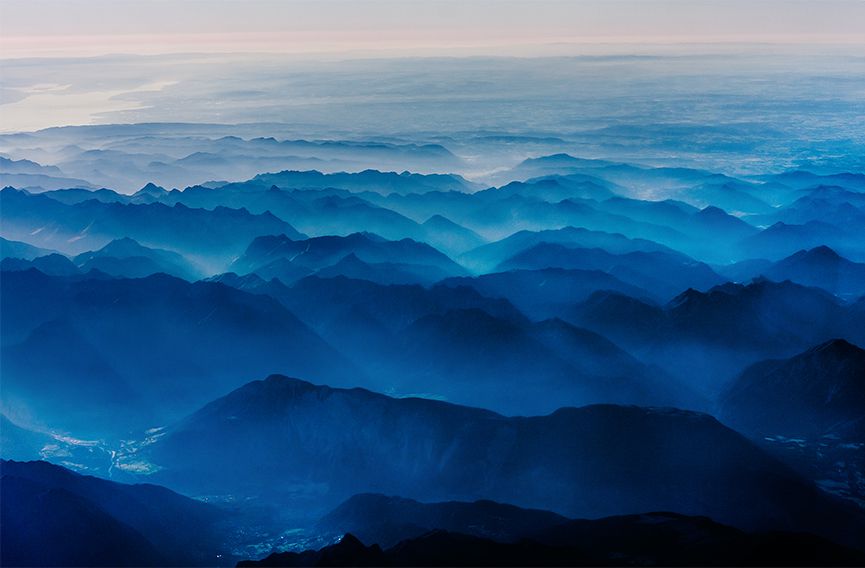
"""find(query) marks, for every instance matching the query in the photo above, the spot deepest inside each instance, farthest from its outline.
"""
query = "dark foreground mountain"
(653, 539)
(383, 520)
(820, 391)
(53, 517)
(315, 446)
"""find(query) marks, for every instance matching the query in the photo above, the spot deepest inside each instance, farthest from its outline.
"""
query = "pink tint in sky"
(95, 27)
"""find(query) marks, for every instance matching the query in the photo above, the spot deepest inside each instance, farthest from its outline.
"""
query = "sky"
(460, 27)
(72, 62)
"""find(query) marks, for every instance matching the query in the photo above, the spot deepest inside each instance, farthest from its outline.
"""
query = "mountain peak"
(822, 251)
(836, 348)
(123, 246)
(439, 220)
(151, 189)
(713, 211)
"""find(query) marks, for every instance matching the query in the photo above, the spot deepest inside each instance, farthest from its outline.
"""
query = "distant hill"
(289, 259)
(18, 249)
(367, 180)
(212, 236)
(544, 292)
(820, 267)
(662, 275)
(118, 354)
(127, 258)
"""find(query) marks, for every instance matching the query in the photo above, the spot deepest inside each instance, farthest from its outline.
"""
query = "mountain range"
(508, 355)
(313, 445)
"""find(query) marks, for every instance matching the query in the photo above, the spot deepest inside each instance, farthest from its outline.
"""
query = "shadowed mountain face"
(52, 527)
(544, 293)
(113, 355)
(465, 354)
(54, 264)
(711, 336)
(454, 343)
(489, 256)
(784, 239)
(819, 267)
(660, 274)
(382, 520)
(17, 249)
(820, 391)
(53, 517)
(297, 441)
(652, 539)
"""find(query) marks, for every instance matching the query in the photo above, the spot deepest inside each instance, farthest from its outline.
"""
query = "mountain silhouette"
(593, 461)
(660, 274)
(54, 517)
(212, 236)
(817, 392)
(654, 539)
(820, 267)
(383, 520)
(18, 249)
(543, 293)
(127, 258)
(300, 257)
(117, 354)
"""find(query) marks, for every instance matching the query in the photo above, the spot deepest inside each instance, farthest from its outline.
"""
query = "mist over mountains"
(573, 346)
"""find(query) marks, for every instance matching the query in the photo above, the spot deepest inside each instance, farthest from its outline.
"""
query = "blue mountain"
(592, 461)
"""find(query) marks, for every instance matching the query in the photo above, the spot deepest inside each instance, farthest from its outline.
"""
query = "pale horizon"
(50, 28)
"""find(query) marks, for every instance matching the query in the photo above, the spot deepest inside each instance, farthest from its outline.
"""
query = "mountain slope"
(821, 267)
(102, 356)
(212, 236)
(127, 258)
(383, 520)
(18, 249)
(817, 392)
(543, 293)
(321, 252)
(662, 539)
(289, 438)
(52, 516)
(662, 274)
